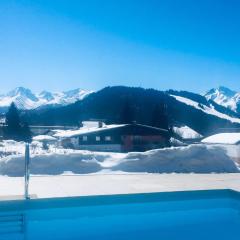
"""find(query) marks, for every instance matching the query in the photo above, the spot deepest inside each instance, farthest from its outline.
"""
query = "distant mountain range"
(183, 109)
(217, 109)
(25, 99)
(225, 97)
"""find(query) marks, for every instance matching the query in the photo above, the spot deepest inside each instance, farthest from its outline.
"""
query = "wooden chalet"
(117, 138)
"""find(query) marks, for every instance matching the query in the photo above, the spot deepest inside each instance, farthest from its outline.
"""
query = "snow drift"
(194, 158)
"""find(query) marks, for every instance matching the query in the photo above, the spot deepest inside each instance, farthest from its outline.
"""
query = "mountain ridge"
(184, 108)
(226, 97)
(25, 99)
(199, 112)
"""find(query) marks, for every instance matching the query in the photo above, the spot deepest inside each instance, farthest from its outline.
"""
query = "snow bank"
(194, 158)
(223, 138)
(10, 147)
(186, 132)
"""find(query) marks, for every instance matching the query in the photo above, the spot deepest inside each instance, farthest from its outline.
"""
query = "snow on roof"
(85, 130)
(44, 138)
(90, 124)
(223, 138)
(186, 132)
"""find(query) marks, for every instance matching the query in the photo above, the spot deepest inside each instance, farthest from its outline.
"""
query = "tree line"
(18, 130)
(159, 117)
(15, 129)
(111, 104)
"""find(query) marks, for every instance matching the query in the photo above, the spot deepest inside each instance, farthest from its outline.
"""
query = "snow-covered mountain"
(225, 97)
(208, 108)
(183, 109)
(25, 99)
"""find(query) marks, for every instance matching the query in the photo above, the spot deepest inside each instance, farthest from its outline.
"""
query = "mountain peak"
(221, 90)
(223, 96)
(18, 91)
(226, 91)
(22, 92)
(25, 99)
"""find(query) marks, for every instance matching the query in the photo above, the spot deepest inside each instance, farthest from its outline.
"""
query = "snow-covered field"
(198, 158)
(57, 172)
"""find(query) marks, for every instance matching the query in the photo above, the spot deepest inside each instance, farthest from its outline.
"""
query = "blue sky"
(60, 45)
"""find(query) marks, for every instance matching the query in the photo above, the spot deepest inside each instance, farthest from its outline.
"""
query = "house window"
(137, 137)
(84, 138)
(98, 138)
(108, 138)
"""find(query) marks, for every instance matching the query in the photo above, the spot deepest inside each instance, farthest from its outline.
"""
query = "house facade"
(118, 138)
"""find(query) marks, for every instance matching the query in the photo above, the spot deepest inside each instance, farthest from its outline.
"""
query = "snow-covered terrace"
(58, 172)
(107, 184)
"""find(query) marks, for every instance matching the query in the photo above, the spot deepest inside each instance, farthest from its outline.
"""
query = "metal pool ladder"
(27, 171)
(12, 224)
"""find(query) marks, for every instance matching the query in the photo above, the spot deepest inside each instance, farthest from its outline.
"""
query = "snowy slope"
(225, 97)
(25, 99)
(204, 108)
(186, 132)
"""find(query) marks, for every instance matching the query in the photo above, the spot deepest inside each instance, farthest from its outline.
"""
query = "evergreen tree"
(238, 108)
(26, 134)
(14, 129)
(127, 113)
(159, 116)
(155, 116)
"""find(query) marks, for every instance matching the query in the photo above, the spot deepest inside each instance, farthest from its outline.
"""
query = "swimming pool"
(191, 215)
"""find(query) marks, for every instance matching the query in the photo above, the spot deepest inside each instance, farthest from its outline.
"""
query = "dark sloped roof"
(134, 129)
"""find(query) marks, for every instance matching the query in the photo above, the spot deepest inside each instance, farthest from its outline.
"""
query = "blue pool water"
(167, 216)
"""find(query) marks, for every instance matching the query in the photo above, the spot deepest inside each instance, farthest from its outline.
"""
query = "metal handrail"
(27, 171)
